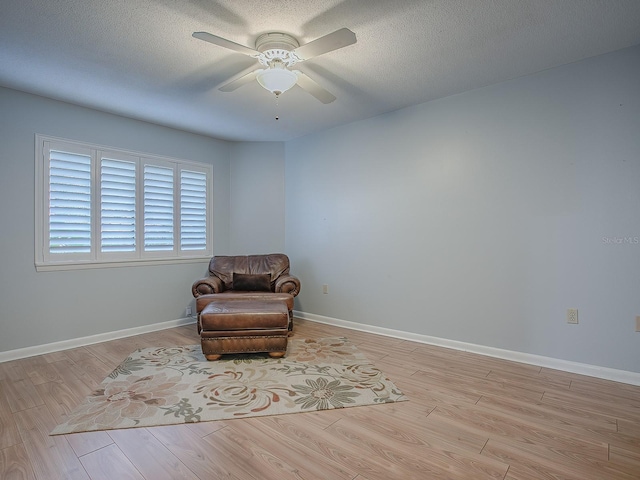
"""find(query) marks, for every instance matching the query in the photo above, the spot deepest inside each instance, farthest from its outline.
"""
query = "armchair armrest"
(208, 285)
(288, 284)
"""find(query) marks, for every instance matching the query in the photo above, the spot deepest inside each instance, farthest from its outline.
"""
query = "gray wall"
(483, 216)
(43, 307)
(257, 198)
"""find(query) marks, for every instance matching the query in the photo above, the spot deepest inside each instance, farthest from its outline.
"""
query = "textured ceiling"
(137, 57)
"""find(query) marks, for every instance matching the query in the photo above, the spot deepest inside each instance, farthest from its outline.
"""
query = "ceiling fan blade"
(239, 80)
(310, 86)
(328, 43)
(223, 42)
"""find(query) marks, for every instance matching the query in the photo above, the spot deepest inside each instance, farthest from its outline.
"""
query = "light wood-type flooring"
(468, 417)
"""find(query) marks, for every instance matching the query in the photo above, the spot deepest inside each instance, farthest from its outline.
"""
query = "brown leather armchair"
(246, 277)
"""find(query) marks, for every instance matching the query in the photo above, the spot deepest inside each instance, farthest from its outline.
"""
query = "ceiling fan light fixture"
(278, 52)
(276, 79)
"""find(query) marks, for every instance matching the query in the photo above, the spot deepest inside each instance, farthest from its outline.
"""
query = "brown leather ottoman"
(243, 326)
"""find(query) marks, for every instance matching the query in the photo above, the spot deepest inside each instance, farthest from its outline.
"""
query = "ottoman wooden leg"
(276, 354)
(212, 356)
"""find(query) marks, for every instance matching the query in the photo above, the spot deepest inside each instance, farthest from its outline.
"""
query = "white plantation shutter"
(193, 210)
(69, 203)
(117, 206)
(158, 208)
(99, 205)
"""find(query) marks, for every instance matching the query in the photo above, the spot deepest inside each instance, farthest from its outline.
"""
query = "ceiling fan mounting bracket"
(276, 41)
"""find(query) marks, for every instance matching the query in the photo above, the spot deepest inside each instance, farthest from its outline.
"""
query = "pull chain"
(277, 106)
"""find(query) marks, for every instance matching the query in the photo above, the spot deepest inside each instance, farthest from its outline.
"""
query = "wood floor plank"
(39, 370)
(527, 380)
(495, 363)
(631, 459)
(425, 462)
(196, 454)
(447, 430)
(429, 392)
(479, 386)
(599, 428)
(176, 337)
(18, 388)
(412, 362)
(52, 458)
(555, 376)
(591, 403)
(78, 354)
(527, 434)
(9, 434)
(411, 430)
(15, 464)
(260, 459)
(401, 366)
(530, 465)
(63, 395)
(587, 384)
(427, 395)
(336, 449)
(307, 462)
(629, 427)
(90, 371)
(150, 457)
(87, 442)
(525, 465)
(55, 356)
(109, 463)
(112, 353)
(5, 367)
(623, 398)
(59, 398)
(577, 420)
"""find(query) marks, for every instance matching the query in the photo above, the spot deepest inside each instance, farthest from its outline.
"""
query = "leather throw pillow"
(252, 283)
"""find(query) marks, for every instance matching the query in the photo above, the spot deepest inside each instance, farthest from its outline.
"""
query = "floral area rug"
(169, 385)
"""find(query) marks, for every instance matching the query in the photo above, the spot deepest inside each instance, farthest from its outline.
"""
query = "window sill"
(50, 267)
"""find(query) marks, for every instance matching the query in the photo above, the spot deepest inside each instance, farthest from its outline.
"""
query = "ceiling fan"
(278, 52)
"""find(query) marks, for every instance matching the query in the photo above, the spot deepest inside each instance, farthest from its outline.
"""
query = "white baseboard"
(90, 340)
(606, 373)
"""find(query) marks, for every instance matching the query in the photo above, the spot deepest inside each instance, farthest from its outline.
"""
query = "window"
(98, 206)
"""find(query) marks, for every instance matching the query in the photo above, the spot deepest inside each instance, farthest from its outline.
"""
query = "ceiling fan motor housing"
(275, 47)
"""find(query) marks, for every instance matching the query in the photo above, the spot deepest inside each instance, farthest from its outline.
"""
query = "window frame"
(45, 260)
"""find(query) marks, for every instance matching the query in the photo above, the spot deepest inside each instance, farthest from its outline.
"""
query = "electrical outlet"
(638, 323)
(572, 315)
(325, 289)
(188, 311)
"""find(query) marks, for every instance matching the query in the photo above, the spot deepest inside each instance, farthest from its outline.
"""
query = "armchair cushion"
(203, 300)
(252, 282)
